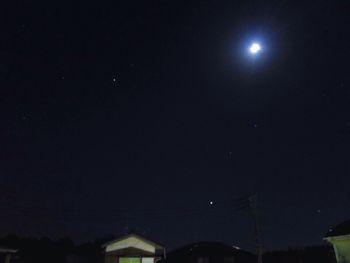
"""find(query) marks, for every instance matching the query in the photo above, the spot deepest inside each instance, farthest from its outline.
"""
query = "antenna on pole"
(126, 223)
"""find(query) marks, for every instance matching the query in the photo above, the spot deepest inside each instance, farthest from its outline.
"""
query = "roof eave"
(7, 250)
(338, 237)
(156, 245)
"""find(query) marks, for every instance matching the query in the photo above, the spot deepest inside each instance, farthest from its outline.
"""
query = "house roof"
(144, 239)
(7, 250)
(341, 229)
(209, 248)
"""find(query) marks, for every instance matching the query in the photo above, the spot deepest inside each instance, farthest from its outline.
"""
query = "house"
(6, 254)
(339, 237)
(133, 248)
(210, 252)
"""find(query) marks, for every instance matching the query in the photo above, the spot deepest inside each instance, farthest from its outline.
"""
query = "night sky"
(139, 114)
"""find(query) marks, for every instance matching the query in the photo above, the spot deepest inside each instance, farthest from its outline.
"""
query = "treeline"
(312, 254)
(44, 250)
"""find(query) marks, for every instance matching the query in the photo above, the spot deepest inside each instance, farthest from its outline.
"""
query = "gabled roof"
(146, 240)
(341, 229)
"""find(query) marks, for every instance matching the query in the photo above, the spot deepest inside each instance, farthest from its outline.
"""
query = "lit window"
(129, 260)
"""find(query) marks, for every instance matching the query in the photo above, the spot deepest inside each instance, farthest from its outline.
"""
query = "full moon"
(254, 48)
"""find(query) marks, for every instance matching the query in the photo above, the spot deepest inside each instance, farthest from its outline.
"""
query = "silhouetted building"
(339, 237)
(133, 248)
(210, 252)
(6, 254)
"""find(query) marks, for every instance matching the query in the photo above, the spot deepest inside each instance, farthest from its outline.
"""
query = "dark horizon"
(10, 240)
(141, 114)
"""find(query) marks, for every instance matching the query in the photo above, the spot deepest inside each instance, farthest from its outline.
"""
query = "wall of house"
(342, 250)
(111, 259)
(116, 259)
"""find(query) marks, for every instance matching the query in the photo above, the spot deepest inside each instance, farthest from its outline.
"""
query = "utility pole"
(251, 203)
(258, 241)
